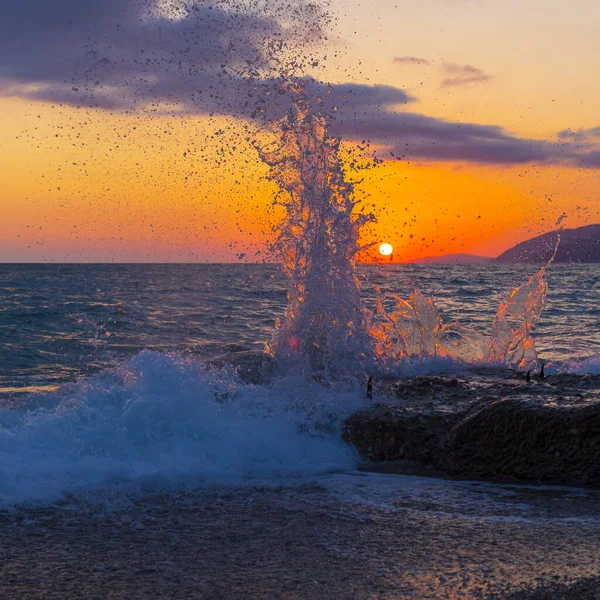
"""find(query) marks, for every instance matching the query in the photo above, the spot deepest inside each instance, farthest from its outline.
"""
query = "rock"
(488, 427)
(523, 439)
(584, 589)
(387, 433)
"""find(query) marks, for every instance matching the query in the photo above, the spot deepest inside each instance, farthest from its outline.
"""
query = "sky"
(126, 126)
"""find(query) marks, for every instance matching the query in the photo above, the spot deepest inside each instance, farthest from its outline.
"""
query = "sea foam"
(162, 420)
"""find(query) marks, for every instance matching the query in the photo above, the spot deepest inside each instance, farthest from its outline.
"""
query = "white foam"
(161, 419)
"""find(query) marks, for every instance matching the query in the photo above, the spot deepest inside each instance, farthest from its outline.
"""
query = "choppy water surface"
(60, 322)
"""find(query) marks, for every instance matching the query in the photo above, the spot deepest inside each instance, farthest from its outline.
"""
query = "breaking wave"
(163, 419)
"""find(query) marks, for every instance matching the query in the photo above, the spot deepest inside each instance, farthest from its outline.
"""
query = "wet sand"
(346, 536)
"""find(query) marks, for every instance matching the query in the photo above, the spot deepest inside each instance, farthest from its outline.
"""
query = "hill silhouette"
(580, 245)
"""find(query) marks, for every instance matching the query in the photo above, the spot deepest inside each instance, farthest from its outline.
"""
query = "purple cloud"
(413, 136)
(206, 57)
(410, 60)
(201, 55)
(462, 75)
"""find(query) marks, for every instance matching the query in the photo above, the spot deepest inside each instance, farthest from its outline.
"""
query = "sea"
(64, 323)
(122, 409)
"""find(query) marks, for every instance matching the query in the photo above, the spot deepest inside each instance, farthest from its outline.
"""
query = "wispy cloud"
(579, 135)
(410, 60)
(412, 136)
(462, 75)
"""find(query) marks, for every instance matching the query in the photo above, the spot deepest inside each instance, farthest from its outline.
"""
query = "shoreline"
(312, 540)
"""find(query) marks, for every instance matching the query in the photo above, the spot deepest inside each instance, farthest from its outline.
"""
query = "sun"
(386, 249)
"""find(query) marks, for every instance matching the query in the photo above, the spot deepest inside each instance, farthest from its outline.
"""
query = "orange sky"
(83, 185)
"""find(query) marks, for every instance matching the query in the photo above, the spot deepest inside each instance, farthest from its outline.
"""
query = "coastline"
(309, 540)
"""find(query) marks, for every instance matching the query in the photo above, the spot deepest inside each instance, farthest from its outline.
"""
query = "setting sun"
(386, 249)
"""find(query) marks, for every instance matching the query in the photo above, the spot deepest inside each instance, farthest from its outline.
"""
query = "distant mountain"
(581, 245)
(453, 259)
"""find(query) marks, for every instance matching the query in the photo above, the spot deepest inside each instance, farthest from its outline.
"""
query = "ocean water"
(106, 379)
(59, 323)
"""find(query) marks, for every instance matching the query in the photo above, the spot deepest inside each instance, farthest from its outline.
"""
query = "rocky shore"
(487, 425)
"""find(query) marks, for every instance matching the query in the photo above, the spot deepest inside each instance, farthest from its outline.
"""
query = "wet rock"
(426, 386)
(524, 439)
(584, 589)
(486, 427)
(430, 395)
(387, 433)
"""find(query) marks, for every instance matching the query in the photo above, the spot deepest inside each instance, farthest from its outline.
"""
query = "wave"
(163, 419)
(164, 422)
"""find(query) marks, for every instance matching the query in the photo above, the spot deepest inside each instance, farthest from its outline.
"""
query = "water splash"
(414, 329)
(511, 340)
(326, 327)
(163, 421)
(318, 239)
(250, 59)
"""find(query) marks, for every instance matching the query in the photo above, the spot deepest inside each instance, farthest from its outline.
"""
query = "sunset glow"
(479, 149)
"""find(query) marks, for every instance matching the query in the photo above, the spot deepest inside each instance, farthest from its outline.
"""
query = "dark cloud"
(418, 137)
(201, 56)
(198, 57)
(590, 159)
(462, 75)
(354, 99)
(411, 60)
